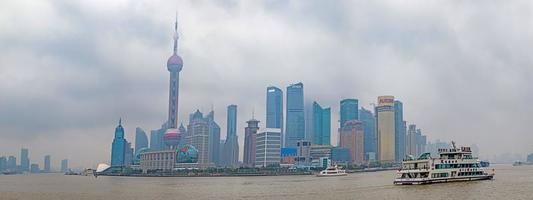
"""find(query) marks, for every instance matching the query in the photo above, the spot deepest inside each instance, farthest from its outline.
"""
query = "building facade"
(141, 140)
(24, 160)
(64, 165)
(231, 147)
(250, 134)
(321, 125)
(268, 147)
(352, 138)
(214, 138)
(348, 110)
(198, 137)
(118, 147)
(399, 131)
(295, 125)
(47, 163)
(386, 143)
(369, 127)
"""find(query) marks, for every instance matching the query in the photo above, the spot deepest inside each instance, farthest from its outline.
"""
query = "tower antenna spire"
(176, 36)
(120, 121)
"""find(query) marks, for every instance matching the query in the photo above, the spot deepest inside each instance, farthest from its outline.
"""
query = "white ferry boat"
(456, 164)
(332, 171)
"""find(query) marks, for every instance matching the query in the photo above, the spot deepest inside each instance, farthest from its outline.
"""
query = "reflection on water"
(510, 183)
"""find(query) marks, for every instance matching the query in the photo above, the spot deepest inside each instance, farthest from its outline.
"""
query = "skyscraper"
(24, 160)
(250, 133)
(214, 138)
(11, 163)
(118, 148)
(321, 125)
(348, 110)
(174, 66)
(47, 163)
(198, 137)
(64, 165)
(156, 137)
(141, 140)
(399, 131)
(295, 126)
(3, 164)
(385, 129)
(274, 109)
(369, 127)
(415, 142)
(232, 143)
(352, 138)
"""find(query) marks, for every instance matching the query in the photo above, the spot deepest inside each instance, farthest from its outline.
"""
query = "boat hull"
(326, 175)
(442, 180)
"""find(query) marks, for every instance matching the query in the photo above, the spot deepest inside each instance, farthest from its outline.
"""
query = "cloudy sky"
(70, 69)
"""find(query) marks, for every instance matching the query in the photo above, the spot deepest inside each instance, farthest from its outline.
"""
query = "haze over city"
(69, 70)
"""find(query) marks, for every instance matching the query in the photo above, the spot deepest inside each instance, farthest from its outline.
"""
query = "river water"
(509, 183)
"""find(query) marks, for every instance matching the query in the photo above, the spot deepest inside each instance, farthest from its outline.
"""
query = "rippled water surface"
(510, 183)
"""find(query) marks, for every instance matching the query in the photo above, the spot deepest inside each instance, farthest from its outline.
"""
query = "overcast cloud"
(70, 69)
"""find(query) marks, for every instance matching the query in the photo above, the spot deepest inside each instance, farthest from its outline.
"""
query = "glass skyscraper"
(399, 130)
(118, 148)
(214, 138)
(321, 125)
(369, 128)
(274, 108)
(141, 140)
(295, 125)
(348, 111)
(24, 159)
(231, 147)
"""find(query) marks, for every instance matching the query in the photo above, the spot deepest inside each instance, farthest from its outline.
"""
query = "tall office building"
(11, 163)
(295, 125)
(157, 138)
(141, 140)
(268, 147)
(3, 164)
(64, 165)
(416, 142)
(232, 143)
(399, 131)
(352, 138)
(24, 160)
(369, 128)
(348, 111)
(47, 163)
(214, 138)
(118, 148)
(274, 109)
(250, 134)
(321, 125)
(385, 129)
(198, 136)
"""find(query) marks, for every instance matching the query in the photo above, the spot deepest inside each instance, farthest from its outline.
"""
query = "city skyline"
(443, 94)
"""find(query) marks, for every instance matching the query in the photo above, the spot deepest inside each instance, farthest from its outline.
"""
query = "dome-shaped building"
(186, 154)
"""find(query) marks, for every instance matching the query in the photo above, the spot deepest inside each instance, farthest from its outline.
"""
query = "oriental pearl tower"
(174, 65)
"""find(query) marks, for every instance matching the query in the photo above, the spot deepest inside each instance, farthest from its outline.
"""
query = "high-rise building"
(399, 131)
(274, 109)
(369, 128)
(24, 160)
(340, 155)
(214, 138)
(118, 148)
(321, 125)
(250, 134)
(416, 142)
(47, 163)
(3, 163)
(352, 138)
(348, 111)
(11, 163)
(141, 140)
(64, 165)
(232, 143)
(268, 147)
(174, 66)
(386, 145)
(157, 138)
(198, 137)
(295, 125)
(303, 152)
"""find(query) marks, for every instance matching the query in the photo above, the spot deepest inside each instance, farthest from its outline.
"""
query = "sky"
(70, 69)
